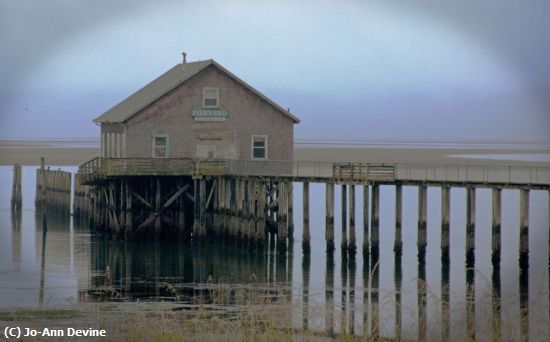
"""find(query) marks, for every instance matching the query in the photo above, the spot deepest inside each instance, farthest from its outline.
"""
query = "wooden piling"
(16, 195)
(375, 219)
(365, 220)
(196, 208)
(496, 238)
(351, 243)
(344, 245)
(329, 220)
(398, 243)
(470, 225)
(422, 241)
(524, 229)
(282, 218)
(306, 237)
(261, 235)
(290, 202)
(445, 222)
(129, 226)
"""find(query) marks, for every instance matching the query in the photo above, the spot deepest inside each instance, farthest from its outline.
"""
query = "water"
(63, 263)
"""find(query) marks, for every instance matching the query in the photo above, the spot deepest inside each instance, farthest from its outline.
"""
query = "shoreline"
(75, 152)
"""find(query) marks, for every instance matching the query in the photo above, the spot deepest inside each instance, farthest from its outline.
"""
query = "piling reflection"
(185, 272)
(16, 217)
(344, 280)
(306, 265)
(445, 315)
(422, 316)
(470, 304)
(496, 303)
(524, 304)
(329, 294)
(374, 291)
(398, 277)
(351, 270)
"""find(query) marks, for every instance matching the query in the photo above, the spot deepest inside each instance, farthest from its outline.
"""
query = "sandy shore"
(69, 154)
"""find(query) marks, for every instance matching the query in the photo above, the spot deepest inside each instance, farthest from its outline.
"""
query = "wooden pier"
(250, 200)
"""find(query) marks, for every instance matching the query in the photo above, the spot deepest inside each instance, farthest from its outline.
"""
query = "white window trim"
(217, 90)
(252, 146)
(167, 145)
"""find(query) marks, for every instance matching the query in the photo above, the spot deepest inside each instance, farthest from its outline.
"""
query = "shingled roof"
(179, 74)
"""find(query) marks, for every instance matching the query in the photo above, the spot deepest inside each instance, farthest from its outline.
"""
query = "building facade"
(198, 110)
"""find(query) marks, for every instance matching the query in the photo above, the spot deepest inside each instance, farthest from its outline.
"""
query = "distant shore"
(75, 152)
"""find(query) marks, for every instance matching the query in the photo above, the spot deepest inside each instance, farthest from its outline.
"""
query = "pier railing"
(100, 168)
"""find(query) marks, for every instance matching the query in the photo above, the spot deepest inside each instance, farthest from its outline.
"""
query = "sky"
(422, 70)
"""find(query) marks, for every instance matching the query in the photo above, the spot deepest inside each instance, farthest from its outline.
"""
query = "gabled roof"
(179, 74)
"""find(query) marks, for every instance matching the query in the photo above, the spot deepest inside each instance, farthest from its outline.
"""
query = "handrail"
(99, 168)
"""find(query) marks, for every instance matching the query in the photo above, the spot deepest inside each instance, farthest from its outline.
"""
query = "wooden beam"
(210, 194)
(175, 196)
(142, 200)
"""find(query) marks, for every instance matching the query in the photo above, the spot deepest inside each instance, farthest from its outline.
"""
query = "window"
(259, 147)
(210, 97)
(160, 146)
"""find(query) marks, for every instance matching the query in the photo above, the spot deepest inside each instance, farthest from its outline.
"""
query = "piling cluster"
(53, 190)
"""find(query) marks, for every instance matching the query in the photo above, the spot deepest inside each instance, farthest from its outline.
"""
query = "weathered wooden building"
(167, 152)
(197, 110)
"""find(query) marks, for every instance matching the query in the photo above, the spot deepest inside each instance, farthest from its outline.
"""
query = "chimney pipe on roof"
(184, 55)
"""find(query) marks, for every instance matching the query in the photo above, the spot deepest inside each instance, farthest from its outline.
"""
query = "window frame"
(265, 138)
(206, 89)
(153, 144)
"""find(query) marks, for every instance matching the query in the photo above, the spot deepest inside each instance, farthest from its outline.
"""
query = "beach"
(76, 152)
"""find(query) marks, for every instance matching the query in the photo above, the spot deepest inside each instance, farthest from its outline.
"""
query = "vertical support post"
(240, 200)
(261, 232)
(422, 227)
(329, 220)
(470, 225)
(128, 228)
(16, 197)
(365, 219)
(398, 243)
(351, 243)
(282, 231)
(196, 207)
(251, 209)
(344, 244)
(43, 189)
(306, 237)
(375, 219)
(202, 207)
(290, 210)
(157, 208)
(445, 222)
(524, 229)
(497, 212)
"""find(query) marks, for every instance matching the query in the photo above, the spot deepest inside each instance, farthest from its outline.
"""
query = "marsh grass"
(256, 312)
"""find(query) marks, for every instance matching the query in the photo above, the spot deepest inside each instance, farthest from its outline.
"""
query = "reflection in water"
(329, 294)
(445, 315)
(352, 266)
(375, 314)
(524, 304)
(189, 273)
(496, 301)
(422, 316)
(44, 221)
(470, 303)
(344, 274)
(306, 264)
(398, 276)
(366, 294)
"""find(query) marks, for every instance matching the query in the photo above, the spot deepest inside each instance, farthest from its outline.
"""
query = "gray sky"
(391, 69)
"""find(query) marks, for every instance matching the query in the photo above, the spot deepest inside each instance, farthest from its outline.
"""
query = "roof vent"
(184, 55)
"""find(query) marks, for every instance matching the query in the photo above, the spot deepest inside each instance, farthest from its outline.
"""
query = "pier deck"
(502, 176)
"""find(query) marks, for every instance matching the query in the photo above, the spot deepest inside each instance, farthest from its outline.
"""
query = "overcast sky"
(369, 70)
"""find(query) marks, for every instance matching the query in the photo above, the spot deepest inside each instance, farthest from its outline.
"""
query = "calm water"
(63, 263)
